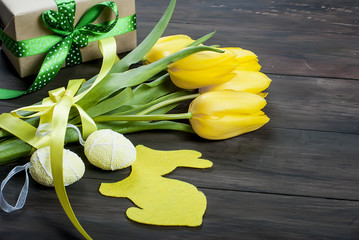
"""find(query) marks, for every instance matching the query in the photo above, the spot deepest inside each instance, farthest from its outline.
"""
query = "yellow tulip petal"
(242, 54)
(205, 60)
(249, 66)
(201, 80)
(248, 81)
(202, 69)
(263, 94)
(198, 79)
(227, 126)
(227, 102)
(247, 59)
(166, 46)
(225, 114)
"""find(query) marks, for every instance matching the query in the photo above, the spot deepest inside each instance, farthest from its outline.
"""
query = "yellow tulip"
(203, 69)
(166, 46)
(224, 114)
(247, 59)
(247, 81)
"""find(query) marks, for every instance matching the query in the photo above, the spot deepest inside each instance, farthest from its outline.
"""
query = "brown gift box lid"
(22, 20)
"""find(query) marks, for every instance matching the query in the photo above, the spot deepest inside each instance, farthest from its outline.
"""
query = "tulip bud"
(203, 69)
(224, 114)
(247, 81)
(166, 46)
(247, 60)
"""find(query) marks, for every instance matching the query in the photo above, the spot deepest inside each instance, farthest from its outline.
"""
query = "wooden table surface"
(295, 178)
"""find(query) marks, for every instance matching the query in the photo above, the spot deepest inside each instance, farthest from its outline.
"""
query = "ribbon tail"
(9, 93)
(60, 118)
(88, 125)
(22, 130)
(108, 49)
(41, 110)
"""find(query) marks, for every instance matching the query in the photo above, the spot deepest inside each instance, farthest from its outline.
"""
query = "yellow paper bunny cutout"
(160, 200)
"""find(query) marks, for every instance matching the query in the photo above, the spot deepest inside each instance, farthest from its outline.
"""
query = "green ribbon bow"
(65, 45)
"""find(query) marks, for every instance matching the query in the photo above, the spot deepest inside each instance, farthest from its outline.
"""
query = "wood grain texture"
(230, 215)
(295, 178)
(311, 38)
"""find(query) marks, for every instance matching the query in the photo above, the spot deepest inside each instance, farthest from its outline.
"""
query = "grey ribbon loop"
(45, 129)
(23, 193)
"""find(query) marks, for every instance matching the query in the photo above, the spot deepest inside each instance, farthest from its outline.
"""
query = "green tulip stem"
(167, 102)
(154, 117)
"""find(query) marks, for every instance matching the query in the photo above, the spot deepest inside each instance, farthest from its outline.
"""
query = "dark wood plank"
(230, 215)
(314, 103)
(310, 38)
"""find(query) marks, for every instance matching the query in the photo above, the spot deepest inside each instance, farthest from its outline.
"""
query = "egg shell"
(109, 150)
(40, 170)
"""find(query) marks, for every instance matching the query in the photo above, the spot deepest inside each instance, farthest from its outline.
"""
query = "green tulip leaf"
(137, 54)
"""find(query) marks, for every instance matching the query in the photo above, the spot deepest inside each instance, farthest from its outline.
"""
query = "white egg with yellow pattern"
(109, 150)
(40, 170)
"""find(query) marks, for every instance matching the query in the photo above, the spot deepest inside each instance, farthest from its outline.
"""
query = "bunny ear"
(197, 163)
(176, 158)
(189, 158)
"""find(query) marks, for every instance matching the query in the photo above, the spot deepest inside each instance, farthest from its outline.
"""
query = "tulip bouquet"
(224, 86)
(225, 83)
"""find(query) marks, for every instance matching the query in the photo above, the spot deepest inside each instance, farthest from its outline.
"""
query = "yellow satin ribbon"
(55, 109)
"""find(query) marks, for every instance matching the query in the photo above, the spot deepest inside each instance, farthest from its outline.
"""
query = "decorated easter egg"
(109, 150)
(40, 170)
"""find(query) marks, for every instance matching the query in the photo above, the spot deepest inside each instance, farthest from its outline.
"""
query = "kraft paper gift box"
(22, 20)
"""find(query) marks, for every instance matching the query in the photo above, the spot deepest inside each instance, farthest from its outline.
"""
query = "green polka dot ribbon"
(65, 44)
